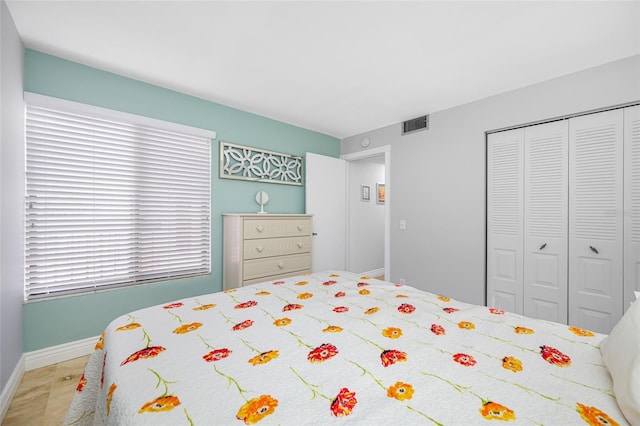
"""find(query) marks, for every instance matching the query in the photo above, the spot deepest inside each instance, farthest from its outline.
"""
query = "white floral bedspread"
(331, 348)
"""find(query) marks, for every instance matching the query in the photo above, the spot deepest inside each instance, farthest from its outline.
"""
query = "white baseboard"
(59, 353)
(42, 358)
(373, 273)
(11, 388)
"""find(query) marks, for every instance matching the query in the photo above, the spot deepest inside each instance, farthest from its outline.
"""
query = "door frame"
(386, 150)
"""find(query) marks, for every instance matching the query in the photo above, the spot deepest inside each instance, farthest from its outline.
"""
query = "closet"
(563, 218)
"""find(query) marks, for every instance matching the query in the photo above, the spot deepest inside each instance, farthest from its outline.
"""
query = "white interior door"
(325, 194)
(505, 220)
(595, 220)
(631, 203)
(545, 221)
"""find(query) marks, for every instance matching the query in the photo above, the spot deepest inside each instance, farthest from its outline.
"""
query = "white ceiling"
(340, 68)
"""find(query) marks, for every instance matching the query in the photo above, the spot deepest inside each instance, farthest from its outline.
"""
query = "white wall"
(366, 218)
(11, 193)
(439, 175)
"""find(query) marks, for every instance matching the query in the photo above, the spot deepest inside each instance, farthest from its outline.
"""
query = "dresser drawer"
(255, 249)
(265, 228)
(257, 268)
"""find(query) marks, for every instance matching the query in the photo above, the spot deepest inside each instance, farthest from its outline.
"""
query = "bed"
(335, 348)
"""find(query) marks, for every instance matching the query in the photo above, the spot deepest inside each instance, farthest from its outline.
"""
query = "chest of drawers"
(260, 247)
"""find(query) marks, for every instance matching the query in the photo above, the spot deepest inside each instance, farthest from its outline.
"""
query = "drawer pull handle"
(300, 245)
(593, 249)
(543, 246)
(281, 265)
(300, 227)
(259, 249)
(259, 228)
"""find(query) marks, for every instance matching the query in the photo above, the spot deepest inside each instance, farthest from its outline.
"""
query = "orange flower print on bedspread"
(186, 328)
(494, 411)
(131, 326)
(281, 322)
(100, 342)
(371, 311)
(162, 403)
(343, 403)
(217, 355)
(112, 389)
(305, 296)
(581, 332)
(204, 307)
(554, 356)
(511, 363)
(466, 325)
(264, 357)
(593, 416)
(523, 330)
(392, 332)
(257, 409)
(145, 353)
(400, 391)
(322, 353)
(391, 356)
(332, 329)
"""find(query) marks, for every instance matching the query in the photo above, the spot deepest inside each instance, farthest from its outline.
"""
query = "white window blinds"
(111, 203)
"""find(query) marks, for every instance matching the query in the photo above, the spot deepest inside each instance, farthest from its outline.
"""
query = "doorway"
(368, 221)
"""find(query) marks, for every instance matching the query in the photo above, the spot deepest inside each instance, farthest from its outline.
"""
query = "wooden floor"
(44, 394)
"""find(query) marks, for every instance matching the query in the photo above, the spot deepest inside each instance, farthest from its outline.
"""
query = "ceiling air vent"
(420, 123)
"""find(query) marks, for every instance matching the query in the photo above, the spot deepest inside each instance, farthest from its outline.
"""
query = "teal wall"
(66, 319)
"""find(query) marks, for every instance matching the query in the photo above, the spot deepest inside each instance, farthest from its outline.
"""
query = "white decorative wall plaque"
(247, 163)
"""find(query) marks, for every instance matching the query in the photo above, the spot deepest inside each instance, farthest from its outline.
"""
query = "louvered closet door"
(631, 203)
(545, 221)
(595, 220)
(504, 220)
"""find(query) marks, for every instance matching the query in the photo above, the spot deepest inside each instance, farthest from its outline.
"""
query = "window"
(112, 199)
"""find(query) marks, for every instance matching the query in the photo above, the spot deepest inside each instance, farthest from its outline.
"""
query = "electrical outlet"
(403, 224)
